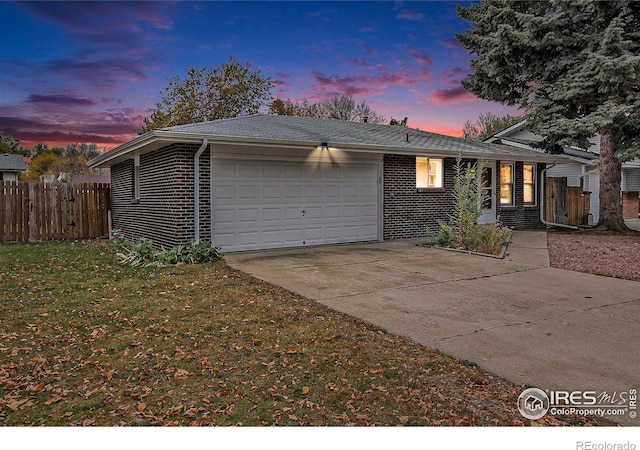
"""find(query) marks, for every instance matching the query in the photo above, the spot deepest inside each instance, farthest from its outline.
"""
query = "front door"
(488, 207)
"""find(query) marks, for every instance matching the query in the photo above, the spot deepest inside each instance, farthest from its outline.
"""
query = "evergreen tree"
(574, 67)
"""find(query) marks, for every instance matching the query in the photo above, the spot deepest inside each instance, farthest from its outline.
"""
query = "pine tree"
(574, 67)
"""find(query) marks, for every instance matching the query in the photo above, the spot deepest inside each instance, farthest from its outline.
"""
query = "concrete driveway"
(515, 317)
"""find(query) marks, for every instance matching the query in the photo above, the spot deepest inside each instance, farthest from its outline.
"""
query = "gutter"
(551, 224)
(196, 191)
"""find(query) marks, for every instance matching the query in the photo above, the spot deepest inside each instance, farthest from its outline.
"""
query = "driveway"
(516, 317)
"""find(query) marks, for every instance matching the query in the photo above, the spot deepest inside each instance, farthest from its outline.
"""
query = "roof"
(309, 132)
(12, 162)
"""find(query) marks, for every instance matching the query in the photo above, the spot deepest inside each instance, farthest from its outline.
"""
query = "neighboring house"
(267, 181)
(581, 168)
(75, 178)
(10, 166)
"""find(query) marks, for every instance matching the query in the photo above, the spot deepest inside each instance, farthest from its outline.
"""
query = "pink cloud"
(411, 15)
(369, 84)
(443, 97)
(419, 55)
(451, 43)
(453, 76)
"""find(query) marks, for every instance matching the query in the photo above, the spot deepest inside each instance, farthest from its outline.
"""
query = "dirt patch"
(599, 253)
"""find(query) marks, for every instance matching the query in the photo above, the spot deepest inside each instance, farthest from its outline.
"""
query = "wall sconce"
(324, 146)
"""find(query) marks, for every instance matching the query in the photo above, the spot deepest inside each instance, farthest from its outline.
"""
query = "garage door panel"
(272, 214)
(272, 204)
(249, 170)
(248, 215)
(223, 192)
(271, 192)
(224, 216)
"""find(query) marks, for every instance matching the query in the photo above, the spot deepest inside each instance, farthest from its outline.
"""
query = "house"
(267, 181)
(10, 166)
(581, 168)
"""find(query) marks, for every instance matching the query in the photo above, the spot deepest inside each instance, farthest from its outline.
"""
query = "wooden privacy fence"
(566, 205)
(32, 212)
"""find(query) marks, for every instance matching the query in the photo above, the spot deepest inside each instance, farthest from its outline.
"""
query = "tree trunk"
(610, 170)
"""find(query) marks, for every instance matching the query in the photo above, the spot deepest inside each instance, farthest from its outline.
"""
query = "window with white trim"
(529, 184)
(429, 172)
(507, 192)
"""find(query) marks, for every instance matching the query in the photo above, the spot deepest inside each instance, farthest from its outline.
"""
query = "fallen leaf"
(404, 419)
(293, 349)
(305, 389)
(205, 400)
(141, 406)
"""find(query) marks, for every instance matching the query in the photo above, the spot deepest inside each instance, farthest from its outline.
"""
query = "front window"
(429, 172)
(529, 184)
(506, 185)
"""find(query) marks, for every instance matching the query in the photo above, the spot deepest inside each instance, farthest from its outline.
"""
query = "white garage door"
(273, 204)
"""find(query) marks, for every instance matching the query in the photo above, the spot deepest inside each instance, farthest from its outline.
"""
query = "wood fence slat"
(53, 211)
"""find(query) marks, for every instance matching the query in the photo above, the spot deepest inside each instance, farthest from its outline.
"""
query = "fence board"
(53, 211)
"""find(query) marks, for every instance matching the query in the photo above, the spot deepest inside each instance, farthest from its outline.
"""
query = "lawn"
(86, 341)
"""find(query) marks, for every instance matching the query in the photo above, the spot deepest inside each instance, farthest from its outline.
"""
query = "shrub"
(142, 253)
(462, 230)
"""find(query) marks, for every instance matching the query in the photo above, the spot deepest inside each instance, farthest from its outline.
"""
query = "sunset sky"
(90, 71)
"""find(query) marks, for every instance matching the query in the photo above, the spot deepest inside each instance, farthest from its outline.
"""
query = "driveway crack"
(541, 319)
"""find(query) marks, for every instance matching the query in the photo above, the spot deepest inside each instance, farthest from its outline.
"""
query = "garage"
(277, 204)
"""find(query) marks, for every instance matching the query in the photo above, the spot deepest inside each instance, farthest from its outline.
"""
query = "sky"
(74, 72)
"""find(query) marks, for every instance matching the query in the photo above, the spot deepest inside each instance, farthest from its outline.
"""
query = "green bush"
(143, 254)
(462, 231)
(487, 239)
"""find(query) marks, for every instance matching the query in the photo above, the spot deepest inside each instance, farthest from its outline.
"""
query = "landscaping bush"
(462, 231)
(142, 253)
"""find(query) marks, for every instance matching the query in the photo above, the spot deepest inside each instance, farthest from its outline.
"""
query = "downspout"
(196, 191)
(543, 178)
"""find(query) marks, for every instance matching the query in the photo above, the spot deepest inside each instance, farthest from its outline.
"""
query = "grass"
(86, 341)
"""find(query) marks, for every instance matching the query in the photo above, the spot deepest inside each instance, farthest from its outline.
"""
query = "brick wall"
(519, 216)
(408, 212)
(164, 212)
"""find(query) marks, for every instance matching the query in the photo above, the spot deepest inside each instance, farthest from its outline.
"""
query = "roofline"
(168, 137)
(515, 127)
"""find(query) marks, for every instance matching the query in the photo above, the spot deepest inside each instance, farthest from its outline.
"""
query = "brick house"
(266, 181)
(581, 168)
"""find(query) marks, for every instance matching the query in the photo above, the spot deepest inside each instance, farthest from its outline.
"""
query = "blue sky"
(90, 71)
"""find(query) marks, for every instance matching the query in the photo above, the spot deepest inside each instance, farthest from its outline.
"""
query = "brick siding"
(164, 212)
(519, 216)
(408, 212)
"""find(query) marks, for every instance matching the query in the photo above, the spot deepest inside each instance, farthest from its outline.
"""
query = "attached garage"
(267, 182)
(275, 204)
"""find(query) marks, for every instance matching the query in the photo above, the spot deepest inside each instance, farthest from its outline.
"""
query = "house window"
(506, 184)
(429, 172)
(529, 184)
(135, 178)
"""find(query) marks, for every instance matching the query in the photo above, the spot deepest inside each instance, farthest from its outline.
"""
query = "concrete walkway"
(515, 317)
